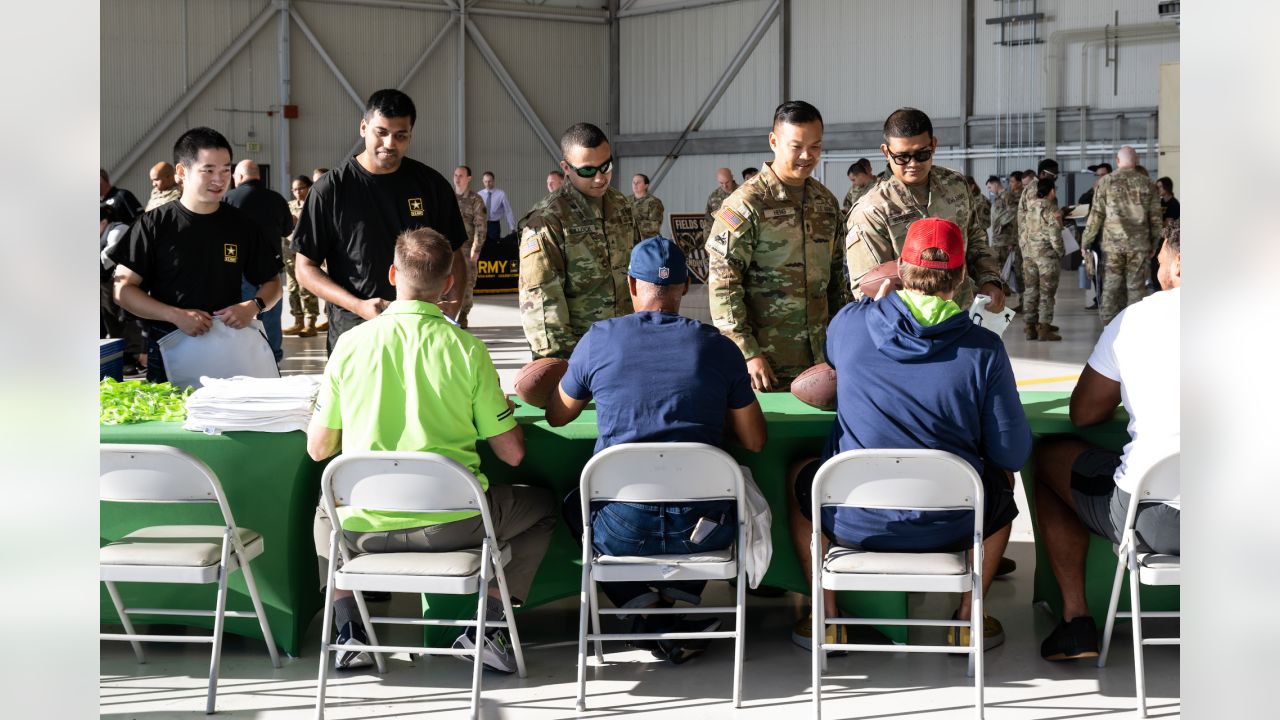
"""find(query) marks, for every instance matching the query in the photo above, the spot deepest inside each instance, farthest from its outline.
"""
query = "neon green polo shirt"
(411, 380)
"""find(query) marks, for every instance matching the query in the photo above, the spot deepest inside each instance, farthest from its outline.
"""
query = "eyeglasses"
(589, 171)
(921, 156)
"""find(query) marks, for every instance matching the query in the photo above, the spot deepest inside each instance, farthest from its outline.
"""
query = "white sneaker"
(496, 654)
(351, 634)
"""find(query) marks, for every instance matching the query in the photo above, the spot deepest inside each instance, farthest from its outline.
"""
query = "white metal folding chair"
(896, 479)
(191, 554)
(657, 473)
(417, 482)
(1161, 483)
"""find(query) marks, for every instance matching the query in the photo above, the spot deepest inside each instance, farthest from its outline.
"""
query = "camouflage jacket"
(1004, 220)
(649, 215)
(1043, 236)
(983, 206)
(161, 197)
(716, 197)
(474, 218)
(877, 227)
(1126, 208)
(573, 268)
(770, 265)
(851, 198)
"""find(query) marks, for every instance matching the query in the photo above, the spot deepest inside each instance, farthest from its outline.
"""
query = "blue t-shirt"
(658, 377)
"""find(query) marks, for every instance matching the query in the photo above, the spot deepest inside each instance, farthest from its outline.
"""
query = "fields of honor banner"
(688, 234)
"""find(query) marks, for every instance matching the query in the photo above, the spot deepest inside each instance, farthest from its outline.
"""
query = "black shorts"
(998, 508)
(1102, 506)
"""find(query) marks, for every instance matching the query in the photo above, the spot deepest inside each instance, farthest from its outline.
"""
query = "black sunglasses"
(589, 171)
(919, 156)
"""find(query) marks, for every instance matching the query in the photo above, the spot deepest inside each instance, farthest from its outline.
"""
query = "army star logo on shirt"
(415, 207)
(230, 252)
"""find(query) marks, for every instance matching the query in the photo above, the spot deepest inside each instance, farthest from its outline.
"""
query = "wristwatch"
(262, 306)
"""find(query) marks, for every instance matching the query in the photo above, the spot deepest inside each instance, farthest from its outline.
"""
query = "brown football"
(816, 386)
(869, 285)
(536, 381)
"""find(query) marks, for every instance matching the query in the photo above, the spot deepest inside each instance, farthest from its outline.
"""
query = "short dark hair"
(1028, 173)
(304, 180)
(853, 168)
(864, 165)
(993, 179)
(467, 168)
(488, 173)
(1016, 175)
(391, 103)
(583, 135)
(557, 173)
(423, 259)
(1166, 183)
(196, 139)
(907, 122)
(796, 112)
(1173, 236)
(645, 177)
(929, 281)
(1044, 186)
(749, 172)
(1048, 165)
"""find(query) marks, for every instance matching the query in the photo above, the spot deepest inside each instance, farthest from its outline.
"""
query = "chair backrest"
(157, 473)
(1162, 482)
(898, 479)
(661, 472)
(401, 482)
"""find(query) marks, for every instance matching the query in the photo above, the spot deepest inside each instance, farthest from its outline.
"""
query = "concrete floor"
(776, 680)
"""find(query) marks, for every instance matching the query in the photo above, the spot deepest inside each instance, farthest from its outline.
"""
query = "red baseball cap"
(933, 233)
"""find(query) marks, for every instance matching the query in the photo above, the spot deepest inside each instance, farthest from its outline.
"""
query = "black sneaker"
(678, 652)
(1006, 566)
(1071, 640)
(352, 634)
(496, 654)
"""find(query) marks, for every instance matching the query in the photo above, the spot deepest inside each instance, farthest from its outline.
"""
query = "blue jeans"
(270, 318)
(619, 528)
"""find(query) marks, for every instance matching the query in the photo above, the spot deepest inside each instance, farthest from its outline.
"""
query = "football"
(869, 285)
(816, 386)
(536, 381)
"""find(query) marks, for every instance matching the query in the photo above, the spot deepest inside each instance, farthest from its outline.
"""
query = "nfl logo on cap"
(664, 272)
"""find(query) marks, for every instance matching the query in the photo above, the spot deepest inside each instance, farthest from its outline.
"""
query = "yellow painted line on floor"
(1046, 381)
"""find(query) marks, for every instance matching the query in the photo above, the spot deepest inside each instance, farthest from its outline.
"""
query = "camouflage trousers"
(301, 302)
(1124, 281)
(1041, 289)
(472, 269)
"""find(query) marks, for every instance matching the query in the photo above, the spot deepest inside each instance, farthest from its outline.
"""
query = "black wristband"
(262, 306)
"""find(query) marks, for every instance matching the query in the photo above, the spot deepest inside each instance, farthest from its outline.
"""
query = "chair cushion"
(1160, 562)
(458, 563)
(845, 560)
(716, 556)
(173, 546)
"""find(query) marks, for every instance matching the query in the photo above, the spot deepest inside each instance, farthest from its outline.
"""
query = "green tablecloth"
(1048, 415)
(272, 487)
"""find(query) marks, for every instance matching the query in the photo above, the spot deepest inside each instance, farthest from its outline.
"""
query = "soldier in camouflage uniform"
(771, 259)
(981, 203)
(1004, 219)
(726, 185)
(475, 220)
(917, 189)
(574, 250)
(1042, 253)
(647, 208)
(303, 304)
(1126, 210)
(164, 186)
(861, 178)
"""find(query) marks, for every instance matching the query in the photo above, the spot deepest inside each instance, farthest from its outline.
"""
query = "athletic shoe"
(1071, 640)
(802, 635)
(992, 634)
(678, 652)
(496, 655)
(351, 634)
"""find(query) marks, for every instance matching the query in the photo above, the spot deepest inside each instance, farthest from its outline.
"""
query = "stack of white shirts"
(257, 404)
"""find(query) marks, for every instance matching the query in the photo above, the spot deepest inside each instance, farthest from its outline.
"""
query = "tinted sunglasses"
(919, 156)
(589, 171)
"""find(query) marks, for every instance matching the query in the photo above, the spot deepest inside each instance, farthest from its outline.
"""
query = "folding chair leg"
(259, 611)
(595, 620)
(1135, 613)
(1111, 608)
(584, 610)
(481, 593)
(510, 614)
(219, 621)
(326, 627)
(739, 638)
(125, 621)
(369, 629)
(818, 656)
(977, 625)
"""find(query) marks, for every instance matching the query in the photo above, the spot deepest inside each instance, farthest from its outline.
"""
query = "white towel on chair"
(759, 519)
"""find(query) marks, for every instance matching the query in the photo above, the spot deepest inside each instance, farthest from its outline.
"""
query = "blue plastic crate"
(111, 358)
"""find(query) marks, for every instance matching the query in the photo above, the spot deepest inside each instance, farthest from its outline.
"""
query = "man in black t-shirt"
(122, 201)
(181, 264)
(271, 212)
(355, 212)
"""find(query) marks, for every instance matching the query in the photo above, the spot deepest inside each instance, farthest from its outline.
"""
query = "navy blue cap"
(660, 261)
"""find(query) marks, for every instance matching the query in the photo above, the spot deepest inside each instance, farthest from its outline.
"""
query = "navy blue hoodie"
(948, 386)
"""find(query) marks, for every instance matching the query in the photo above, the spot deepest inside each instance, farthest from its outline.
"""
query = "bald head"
(1127, 157)
(246, 170)
(724, 176)
(162, 176)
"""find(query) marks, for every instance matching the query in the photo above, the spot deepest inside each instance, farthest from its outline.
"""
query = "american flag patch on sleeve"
(730, 217)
